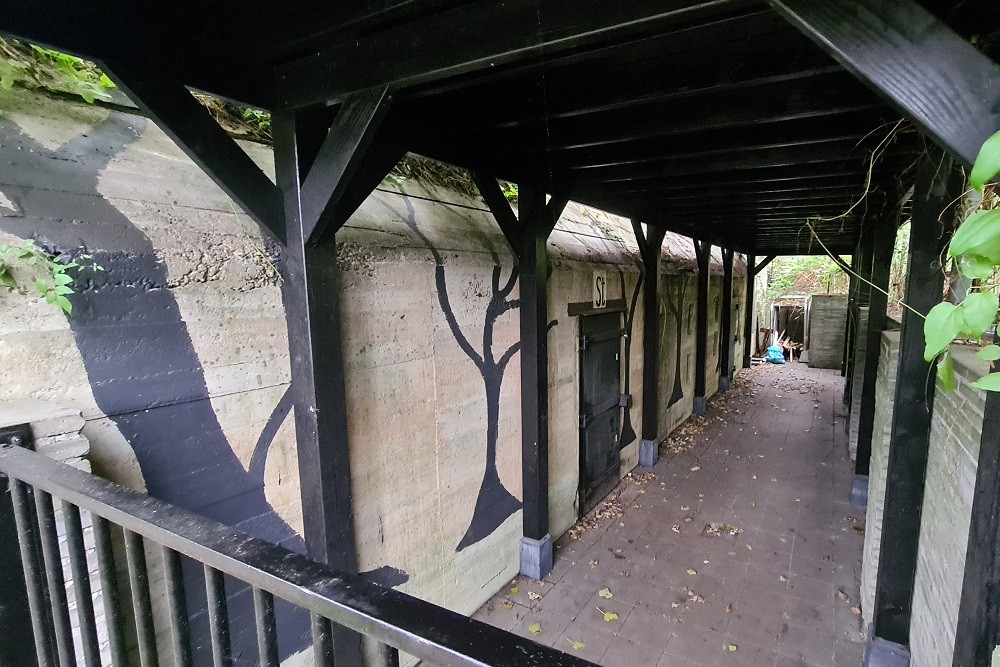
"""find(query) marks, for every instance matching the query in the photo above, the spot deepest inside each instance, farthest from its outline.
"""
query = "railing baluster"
(54, 577)
(322, 634)
(389, 654)
(81, 584)
(109, 588)
(218, 617)
(138, 579)
(34, 578)
(267, 632)
(180, 633)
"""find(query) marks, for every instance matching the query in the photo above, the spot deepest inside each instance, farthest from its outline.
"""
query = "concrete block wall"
(944, 527)
(190, 294)
(827, 323)
(857, 378)
(885, 392)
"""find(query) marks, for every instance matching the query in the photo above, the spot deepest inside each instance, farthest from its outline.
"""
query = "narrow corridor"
(740, 547)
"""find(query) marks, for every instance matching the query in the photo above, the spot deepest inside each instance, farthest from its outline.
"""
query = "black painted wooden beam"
(884, 242)
(849, 321)
(191, 126)
(938, 187)
(932, 75)
(726, 340)
(703, 252)
(978, 629)
(762, 264)
(312, 304)
(454, 44)
(489, 188)
(338, 160)
(749, 334)
(650, 248)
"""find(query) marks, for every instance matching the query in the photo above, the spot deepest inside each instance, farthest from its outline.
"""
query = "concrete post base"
(883, 653)
(649, 453)
(859, 491)
(536, 557)
(725, 383)
(700, 406)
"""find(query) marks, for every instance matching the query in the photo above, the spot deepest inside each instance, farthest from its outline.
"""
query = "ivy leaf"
(987, 162)
(979, 235)
(64, 303)
(980, 311)
(989, 382)
(535, 628)
(989, 353)
(976, 267)
(946, 372)
(943, 323)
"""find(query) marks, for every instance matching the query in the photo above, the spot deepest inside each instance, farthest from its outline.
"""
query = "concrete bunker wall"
(956, 429)
(827, 321)
(177, 354)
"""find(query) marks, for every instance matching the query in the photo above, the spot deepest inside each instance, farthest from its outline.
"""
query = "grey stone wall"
(884, 393)
(944, 527)
(827, 320)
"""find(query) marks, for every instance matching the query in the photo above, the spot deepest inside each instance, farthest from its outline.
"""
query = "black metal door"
(600, 413)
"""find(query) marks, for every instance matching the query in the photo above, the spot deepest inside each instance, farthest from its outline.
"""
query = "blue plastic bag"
(775, 355)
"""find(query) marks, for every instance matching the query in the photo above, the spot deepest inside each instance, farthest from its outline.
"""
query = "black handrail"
(396, 620)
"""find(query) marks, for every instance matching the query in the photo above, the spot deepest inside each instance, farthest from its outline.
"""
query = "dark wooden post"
(749, 335)
(852, 291)
(883, 244)
(939, 185)
(649, 248)
(324, 172)
(726, 341)
(703, 252)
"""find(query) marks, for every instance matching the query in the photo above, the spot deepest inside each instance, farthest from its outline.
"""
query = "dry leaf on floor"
(732, 648)
(695, 468)
(578, 645)
(508, 605)
(782, 578)
(841, 595)
(676, 527)
(606, 593)
(593, 563)
(535, 628)
(534, 597)
(856, 609)
(729, 608)
(674, 605)
(610, 616)
(692, 571)
(514, 590)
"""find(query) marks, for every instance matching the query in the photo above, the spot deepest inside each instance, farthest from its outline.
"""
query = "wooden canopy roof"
(726, 120)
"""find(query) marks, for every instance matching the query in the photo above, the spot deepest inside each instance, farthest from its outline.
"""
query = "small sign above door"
(600, 289)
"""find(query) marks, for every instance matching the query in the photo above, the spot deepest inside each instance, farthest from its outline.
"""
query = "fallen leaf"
(593, 564)
(578, 645)
(674, 605)
(697, 598)
(508, 605)
(534, 597)
(514, 590)
(692, 571)
(695, 468)
(535, 628)
(841, 595)
(685, 508)
(606, 593)
(610, 616)
(676, 527)
(729, 608)
(732, 648)
(856, 609)
(782, 578)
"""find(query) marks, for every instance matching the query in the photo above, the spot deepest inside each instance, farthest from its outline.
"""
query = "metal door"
(600, 406)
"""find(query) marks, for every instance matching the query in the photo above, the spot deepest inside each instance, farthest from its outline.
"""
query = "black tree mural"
(494, 503)
(628, 434)
(675, 301)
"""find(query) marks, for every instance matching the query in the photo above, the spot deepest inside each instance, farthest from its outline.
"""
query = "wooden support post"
(859, 299)
(306, 154)
(852, 290)
(884, 242)
(703, 252)
(939, 185)
(726, 340)
(749, 335)
(527, 235)
(650, 244)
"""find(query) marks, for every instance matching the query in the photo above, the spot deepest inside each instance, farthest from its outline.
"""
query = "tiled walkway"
(769, 464)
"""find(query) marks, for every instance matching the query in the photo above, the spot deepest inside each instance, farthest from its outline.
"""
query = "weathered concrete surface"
(885, 392)
(857, 378)
(827, 322)
(770, 461)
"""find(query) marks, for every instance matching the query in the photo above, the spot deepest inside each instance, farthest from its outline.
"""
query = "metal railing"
(398, 622)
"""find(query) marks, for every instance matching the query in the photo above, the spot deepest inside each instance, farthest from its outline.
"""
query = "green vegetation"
(804, 275)
(35, 67)
(50, 274)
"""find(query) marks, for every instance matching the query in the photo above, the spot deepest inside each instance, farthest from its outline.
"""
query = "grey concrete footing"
(883, 653)
(859, 491)
(649, 453)
(536, 557)
(725, 383)
(700, 406)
